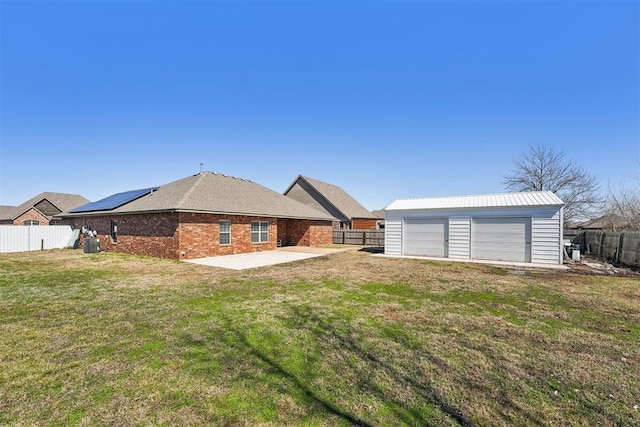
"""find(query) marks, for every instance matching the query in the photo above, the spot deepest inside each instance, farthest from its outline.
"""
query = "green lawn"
(108, 339)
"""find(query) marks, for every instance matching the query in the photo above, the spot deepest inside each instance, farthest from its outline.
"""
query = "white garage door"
(425, 237)
(503, 239)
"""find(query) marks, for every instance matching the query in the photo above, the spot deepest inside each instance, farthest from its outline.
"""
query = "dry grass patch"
(113, 339)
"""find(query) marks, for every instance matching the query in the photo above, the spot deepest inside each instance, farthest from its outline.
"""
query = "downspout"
(561, 248)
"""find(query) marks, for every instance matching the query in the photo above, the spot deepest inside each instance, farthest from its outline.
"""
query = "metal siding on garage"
(393, 235)
(459, 237)
(425, 237)
(546, 239)
(502, 239)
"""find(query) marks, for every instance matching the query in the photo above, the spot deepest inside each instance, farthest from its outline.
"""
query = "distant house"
(41, 209)
(6, 214)
(379, 214)
(608, 222)
(203, 215)
(332, 200)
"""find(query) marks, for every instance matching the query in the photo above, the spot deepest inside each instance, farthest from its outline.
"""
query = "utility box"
(91, 245)
(575, 255)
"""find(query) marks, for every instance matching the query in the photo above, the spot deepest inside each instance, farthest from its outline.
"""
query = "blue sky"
(387, 99)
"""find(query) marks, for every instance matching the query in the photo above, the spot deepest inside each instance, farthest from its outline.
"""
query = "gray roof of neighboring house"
(337, 197)
(6, 212)
(608, 221)
(62, 201)
(524, 199)
(378, 213)
(215, 193)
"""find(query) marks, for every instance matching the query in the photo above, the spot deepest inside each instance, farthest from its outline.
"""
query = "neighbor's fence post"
(619, 248)
(602, 252)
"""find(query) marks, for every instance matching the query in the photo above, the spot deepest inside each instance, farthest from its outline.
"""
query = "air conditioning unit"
(91, 245)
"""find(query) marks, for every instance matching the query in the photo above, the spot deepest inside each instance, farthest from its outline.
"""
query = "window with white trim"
(114, 231)
(259, 231)
(225, 232)
(31, 222)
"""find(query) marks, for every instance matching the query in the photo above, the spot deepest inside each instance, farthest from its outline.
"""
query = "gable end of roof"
(336, 197)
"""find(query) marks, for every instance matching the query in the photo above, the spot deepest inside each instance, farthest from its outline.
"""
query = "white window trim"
(220, 232)
(260, 231)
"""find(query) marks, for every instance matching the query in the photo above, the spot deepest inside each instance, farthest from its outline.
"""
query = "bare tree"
(623, 207)
(544, 169)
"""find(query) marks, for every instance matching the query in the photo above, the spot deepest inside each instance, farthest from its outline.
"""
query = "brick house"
(203, 215)
(41, 209)
(379, 215)
(332, 200)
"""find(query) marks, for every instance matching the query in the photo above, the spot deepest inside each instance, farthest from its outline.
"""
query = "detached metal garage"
(519, 227)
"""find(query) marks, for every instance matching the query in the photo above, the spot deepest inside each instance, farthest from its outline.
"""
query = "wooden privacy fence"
(23, 238)
(621, 247)
(358, 237)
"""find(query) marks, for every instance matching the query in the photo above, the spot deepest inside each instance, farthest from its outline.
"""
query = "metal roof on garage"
(497, 200)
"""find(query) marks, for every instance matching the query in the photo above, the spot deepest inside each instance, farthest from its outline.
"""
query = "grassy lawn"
(107, 339)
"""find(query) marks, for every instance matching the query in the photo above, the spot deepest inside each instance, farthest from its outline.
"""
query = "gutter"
(107, 213)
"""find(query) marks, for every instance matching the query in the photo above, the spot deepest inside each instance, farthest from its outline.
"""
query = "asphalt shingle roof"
(62, 201)
(6, 212)
(378, 213)
(338, 198)
(217, 193)
(609, 221)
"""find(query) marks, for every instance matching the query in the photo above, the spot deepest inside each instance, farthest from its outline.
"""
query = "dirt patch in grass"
(338, 340)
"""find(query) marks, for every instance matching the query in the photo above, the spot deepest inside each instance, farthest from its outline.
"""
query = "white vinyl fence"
(23, 238)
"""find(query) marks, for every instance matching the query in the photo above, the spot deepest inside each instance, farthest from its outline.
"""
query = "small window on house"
(31, 222)
(225, 232)
(259, 231)
(114, 231)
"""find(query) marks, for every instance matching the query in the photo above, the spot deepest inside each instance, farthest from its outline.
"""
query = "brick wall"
(200, 235)
(320, 233)
(297, 232)
(282, 231)
(153, 234)
(31, 215)
(304, 232)
(197, 235)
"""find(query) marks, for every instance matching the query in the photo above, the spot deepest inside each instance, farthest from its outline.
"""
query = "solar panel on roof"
(113, 201)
